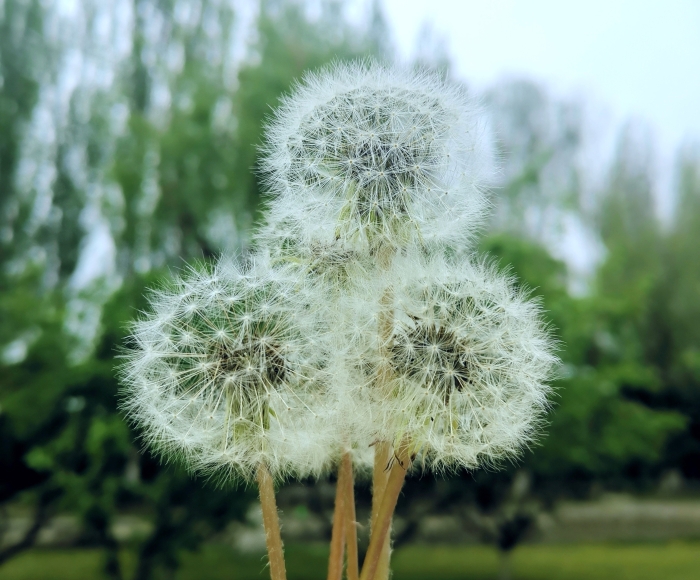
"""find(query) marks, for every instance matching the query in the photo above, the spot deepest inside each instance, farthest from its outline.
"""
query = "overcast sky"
(631, 58)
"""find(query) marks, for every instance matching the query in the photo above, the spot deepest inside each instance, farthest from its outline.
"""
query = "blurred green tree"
(650, 284)
(539, 142)
(679, 355)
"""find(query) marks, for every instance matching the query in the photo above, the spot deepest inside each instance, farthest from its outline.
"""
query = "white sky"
(632, 58)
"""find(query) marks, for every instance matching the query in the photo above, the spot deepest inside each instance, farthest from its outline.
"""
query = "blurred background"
(128, 135)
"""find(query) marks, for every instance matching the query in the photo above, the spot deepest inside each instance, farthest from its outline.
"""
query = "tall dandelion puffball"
(463, 370)
(384, 155)
(219, 372)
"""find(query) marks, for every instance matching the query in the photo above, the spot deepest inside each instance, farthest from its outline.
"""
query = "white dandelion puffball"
(386, 155)
(465, 367)
(221, 374)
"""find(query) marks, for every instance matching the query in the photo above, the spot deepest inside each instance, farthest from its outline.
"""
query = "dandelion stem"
(335, 560)
(273, 537)
(352, 570)
(382, 523)
(380, 475)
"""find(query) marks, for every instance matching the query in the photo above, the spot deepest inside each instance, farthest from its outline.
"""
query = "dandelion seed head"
(464, 371)
(377, 144)
(230, 384)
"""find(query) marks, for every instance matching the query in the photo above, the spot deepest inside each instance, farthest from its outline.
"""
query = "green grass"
(673, 561)
(676, 561)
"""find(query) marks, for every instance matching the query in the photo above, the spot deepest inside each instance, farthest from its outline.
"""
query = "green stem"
(352, 570)
(271, 523)
(335, 560)
(382, 522)
(380, 476)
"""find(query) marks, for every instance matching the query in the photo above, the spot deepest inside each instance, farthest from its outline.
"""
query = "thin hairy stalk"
(352, 569)
(271, 522)
(382, 523)
(335, 560)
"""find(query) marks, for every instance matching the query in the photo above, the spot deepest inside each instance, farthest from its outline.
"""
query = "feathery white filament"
(220, 372)
(463, 372)
(387, 155)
